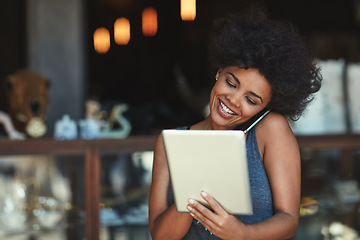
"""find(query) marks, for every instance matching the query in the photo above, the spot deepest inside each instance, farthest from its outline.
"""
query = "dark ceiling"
(145, 67)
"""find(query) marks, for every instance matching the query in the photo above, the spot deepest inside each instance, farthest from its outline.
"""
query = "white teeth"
(226, 109)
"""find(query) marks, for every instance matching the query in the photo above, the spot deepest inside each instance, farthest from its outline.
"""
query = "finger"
(218, 209)
(206, 229)
(202, 209)
(201, 213)
(208, 224)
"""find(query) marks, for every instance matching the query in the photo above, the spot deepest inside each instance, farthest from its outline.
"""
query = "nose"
(34, 107)
(234, 99)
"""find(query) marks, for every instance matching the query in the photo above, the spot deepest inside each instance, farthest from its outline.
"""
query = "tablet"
(213, 161)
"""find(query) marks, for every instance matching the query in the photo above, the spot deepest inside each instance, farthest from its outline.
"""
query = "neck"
(205, 123)
(208, 124)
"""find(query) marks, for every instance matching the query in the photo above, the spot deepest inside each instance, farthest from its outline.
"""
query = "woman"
(262, 66)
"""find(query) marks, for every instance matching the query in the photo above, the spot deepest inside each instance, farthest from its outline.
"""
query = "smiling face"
(237, 96)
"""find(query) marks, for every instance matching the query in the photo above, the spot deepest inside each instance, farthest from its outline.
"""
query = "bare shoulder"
(274, 130)
(273, 124)
(159, 162)
(159, 141)
(159, 151)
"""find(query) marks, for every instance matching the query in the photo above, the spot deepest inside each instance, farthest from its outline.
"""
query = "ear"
(218, 73)
(8, 83)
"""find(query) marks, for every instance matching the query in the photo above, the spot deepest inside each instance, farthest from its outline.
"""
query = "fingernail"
(188, 207)
(204, 194)
(191, 201)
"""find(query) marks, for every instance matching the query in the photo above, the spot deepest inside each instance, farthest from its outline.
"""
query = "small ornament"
(65, 129)
(89, 129)
(36, 127)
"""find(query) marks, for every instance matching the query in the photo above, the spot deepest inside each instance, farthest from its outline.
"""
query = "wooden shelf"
(341, 142)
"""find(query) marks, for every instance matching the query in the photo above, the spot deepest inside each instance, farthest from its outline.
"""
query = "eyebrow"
(252, 93)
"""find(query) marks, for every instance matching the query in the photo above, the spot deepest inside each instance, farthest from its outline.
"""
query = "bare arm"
(281, 157)
(164, 221)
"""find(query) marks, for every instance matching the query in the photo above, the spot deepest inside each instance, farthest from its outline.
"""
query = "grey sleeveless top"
(260, 193)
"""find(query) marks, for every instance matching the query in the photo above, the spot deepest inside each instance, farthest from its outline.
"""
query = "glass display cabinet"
(35, 211)
(98, 189)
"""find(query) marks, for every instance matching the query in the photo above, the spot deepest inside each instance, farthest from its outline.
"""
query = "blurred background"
(162, 76)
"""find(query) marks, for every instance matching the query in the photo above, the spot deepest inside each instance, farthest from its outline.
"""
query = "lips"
(225, 111)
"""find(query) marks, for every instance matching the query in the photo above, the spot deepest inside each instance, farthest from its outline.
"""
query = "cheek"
(250, 111)
(213, 95)
(212, 103)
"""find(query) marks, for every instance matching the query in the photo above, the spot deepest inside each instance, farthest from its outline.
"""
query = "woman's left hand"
(218, 221)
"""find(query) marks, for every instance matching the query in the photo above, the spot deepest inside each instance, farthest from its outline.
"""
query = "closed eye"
(230, 83)
(249, 100)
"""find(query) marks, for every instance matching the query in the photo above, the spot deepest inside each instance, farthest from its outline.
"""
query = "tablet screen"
(213, 161)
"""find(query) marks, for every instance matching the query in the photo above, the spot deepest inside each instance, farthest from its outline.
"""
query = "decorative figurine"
(28, 101)
(89, 129)
(92, 108)
(116, 117)
(9, 127)
(66, 129)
